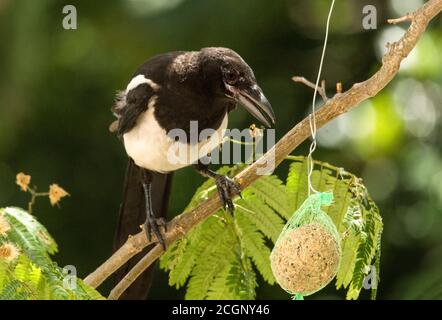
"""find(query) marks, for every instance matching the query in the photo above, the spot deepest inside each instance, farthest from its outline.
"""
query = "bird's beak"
(254, 100)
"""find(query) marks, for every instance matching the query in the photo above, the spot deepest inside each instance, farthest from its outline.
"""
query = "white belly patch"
(151, 148)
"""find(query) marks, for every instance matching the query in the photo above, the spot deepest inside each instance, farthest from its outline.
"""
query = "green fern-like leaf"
(348, 258)
(377, 265)
(88, 292)
(33, 275)
(242, 279)
(211, 257)
(29, 235)
(181, 264)
(272, 191)
(9, 290)
(366, 252)
(220, 289)
(264, 217)
(190, 249)
(3, 273)
(254, 246)
(35, 231)
(296, 180)
(179, 259)
(213, 253)
(22, 268)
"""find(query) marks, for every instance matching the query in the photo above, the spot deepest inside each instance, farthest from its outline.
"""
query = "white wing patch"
(140, 79)
(151, 148)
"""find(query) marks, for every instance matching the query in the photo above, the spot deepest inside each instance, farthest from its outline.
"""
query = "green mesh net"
(307, 253)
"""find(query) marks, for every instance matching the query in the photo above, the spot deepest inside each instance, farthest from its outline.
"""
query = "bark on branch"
(339, 104)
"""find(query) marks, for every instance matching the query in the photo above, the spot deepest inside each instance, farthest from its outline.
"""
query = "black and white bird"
(168, 92)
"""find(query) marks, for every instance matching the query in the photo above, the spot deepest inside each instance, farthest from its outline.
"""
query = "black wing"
(129, 106)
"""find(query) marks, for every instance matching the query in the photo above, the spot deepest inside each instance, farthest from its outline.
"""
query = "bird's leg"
(227, 188)
(152, 224)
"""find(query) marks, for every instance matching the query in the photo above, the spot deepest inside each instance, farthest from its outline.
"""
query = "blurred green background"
(57, 86)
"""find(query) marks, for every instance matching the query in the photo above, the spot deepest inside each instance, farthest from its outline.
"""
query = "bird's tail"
(132, 216)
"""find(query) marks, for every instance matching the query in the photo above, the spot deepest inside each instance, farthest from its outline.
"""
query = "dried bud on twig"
(23, 181)
(56, 193)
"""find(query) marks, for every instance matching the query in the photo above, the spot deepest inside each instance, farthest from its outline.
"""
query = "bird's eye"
(231, 77)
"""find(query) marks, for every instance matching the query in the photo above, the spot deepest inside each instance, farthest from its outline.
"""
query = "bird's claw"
(227, 189)
(152, 225)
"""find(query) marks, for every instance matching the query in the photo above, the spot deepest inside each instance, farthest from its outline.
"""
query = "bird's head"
(230, 77)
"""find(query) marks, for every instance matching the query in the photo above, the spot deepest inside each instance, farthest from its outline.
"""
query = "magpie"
(166, 93)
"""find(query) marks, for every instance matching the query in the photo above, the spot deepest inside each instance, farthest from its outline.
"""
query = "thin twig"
(407, 17)
(135, 272)
(321, 88)
(339, 87)
(334, 107)
(34, 195)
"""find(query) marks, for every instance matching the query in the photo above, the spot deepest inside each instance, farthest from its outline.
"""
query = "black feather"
(137, 101)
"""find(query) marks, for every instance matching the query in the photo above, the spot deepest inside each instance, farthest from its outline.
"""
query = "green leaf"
(89, 292)
(254, 246)
(366, 252)
(34, 230)
(3, 273)
(259, 213)
(213, 253)
(296, 185)
(22, 268)
(33, 275)
(211, 257)
(235, 282)
(185, 260)
(272, 191)
(242, 279)
(10, 290)
(220, 290)
(348, 259)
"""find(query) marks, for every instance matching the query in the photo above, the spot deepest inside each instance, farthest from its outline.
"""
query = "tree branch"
(339, 104)
(407, 17)
(321, 88)
(135, 272)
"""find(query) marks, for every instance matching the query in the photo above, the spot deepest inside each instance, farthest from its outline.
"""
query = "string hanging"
(312, 116)
(307, 253)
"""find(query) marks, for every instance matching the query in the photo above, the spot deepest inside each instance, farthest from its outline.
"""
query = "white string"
(312, 116)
